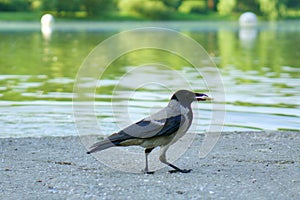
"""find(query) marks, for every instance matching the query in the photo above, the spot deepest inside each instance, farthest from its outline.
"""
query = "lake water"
(260, 70)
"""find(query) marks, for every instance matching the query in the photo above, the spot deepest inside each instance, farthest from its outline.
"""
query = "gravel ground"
(243, 165)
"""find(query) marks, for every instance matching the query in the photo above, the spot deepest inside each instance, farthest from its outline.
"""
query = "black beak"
(202, 97)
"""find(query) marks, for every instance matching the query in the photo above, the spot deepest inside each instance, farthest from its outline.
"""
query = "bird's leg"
(163, 159)
(147, 152)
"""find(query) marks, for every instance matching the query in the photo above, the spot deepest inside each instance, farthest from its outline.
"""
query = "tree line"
(154, 9)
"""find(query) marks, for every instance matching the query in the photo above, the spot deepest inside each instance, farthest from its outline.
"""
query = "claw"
(181, 171)
(152, 172)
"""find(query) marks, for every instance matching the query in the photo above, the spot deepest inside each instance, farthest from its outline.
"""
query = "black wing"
(148, 128)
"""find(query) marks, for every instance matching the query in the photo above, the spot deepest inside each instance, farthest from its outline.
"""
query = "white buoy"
(248, 29)
(47, 22)
(248, 19)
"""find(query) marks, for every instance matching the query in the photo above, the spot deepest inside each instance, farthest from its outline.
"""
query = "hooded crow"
(162, 129)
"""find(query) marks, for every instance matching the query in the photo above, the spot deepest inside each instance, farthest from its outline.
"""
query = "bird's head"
(186, 97)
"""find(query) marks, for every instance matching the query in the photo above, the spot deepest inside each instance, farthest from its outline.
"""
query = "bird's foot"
(147, 172)
(180, 170)
(152, 172)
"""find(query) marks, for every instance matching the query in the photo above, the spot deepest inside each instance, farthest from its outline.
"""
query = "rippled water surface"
(259, 67)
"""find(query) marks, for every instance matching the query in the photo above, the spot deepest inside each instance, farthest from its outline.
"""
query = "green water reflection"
(260, 67)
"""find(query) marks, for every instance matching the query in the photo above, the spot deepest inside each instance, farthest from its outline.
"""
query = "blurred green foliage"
(173, 4)
(146, 9)
(15, 5)
(225, 7)
(199, 6)
(155, 9)
(273, 9)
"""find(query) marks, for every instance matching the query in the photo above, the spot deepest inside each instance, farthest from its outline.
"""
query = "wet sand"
(242, 165)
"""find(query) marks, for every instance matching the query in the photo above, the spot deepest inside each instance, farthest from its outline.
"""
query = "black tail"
(113, 140)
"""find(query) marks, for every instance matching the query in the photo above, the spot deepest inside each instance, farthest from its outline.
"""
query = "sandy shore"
(243, 165)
